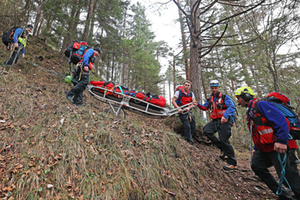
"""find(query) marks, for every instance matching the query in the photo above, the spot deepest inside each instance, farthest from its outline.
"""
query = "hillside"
(51, 149)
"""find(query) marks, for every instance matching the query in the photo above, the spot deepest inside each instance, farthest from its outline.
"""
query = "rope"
(251, 144)
(203, 118)
(282, 175)
(121, 89)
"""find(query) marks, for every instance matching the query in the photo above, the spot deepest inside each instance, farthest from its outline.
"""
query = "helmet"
(97, 49)
(68, 80)
(246, 93)
(29, 26)
(214, 83)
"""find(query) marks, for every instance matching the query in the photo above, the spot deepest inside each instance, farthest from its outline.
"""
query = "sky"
(165, 27)
(163, 19)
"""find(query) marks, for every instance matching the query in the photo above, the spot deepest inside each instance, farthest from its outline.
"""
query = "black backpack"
(8, 36)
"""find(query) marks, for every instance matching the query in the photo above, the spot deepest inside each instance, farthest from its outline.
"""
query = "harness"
(217, 108)
(184, 98)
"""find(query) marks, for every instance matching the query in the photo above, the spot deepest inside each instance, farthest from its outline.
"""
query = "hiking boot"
(229, 167)
(222, 156)
(282, 197)
(69, 98)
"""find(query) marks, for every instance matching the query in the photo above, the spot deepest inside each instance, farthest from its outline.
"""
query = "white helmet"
(214, 83)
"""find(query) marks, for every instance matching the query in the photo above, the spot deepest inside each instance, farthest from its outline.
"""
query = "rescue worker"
(182, 97)
(270, 135)
(222, 114)
(20, 41)
(83, 74)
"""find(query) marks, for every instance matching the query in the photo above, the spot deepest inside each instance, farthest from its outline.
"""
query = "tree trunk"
(195, 68)
(72, 25)
(24, 18)
(40, 25)
(174, 75)
(185, 52)
(37, 19)
(169, 91)
(113, 66)
(91, 31)
(87, 22)
(107, 68)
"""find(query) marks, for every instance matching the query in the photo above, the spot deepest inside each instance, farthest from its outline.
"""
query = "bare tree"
(201, 18)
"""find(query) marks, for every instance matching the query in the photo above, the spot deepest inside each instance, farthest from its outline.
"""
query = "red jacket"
(185, 98)
(263, 134)
(217, 108)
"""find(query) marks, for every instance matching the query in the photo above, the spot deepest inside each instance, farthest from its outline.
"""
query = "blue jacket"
(17, 34)
(88, 57)
(228, 102)
(276, 118)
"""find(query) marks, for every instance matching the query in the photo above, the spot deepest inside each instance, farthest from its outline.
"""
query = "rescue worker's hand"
(223, 120)
(280, 148)
(186, 109)
(16, 45)
(253, 152)
(180, 110)
(195, 103)
(86, 69)
(23, 55)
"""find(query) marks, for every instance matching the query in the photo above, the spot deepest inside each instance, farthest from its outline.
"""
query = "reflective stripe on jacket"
(263, 133)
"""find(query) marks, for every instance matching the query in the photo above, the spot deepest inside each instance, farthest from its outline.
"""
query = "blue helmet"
(214, 83)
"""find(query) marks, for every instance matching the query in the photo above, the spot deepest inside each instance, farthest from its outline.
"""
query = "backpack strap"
(179, 97)
(252, 111)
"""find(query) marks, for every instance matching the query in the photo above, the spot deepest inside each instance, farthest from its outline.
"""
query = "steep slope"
(51, 149)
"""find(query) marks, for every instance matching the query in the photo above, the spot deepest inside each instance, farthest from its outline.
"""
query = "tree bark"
(184, 45)
(87, 22)
(37, 19)
(72, 25)
(195, 54)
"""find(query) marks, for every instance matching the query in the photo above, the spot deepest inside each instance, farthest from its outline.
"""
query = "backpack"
(8, 36)
(75, 51)
(282, 102)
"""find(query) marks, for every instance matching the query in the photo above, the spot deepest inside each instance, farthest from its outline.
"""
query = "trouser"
(77, 91)
(224, 131)
(189, 125)
(14, 55)
(261, 161)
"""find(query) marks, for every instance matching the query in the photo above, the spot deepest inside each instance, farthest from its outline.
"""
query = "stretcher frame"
(131, 103)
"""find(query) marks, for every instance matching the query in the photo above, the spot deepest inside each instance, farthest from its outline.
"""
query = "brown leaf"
(8, 189)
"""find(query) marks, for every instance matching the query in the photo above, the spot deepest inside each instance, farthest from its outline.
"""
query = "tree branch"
(232, 16)
(215, 42)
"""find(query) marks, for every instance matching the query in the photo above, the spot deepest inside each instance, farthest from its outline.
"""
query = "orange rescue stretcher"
(119, 101)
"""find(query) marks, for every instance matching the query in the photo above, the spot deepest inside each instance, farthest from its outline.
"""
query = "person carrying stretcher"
(83, 74)
(182, 97)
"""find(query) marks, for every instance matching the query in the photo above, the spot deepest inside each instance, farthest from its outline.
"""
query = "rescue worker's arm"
(192, 105)
(279, 123)
(17, 34)
(175, 104)
(86, 58)
(205, 106)
(230, 109)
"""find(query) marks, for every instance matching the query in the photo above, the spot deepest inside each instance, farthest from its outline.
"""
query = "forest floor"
(50, 149)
